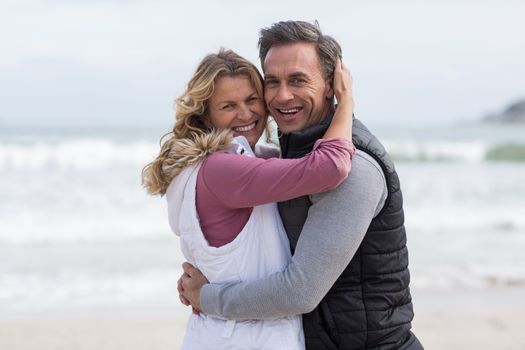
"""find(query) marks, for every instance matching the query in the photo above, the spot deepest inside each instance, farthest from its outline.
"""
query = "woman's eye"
(228, 106)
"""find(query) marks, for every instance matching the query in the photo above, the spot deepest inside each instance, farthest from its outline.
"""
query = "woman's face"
(235, 105)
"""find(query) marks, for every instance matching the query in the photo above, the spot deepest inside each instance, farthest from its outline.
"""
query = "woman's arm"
(237, 181)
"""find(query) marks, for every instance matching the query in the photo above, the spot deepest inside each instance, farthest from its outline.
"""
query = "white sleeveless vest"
(260, 249)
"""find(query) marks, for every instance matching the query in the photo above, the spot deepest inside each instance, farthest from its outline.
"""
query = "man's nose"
(283, 94)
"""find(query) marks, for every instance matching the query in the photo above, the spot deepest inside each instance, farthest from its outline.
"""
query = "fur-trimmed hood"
(189, 151)
(194, 153)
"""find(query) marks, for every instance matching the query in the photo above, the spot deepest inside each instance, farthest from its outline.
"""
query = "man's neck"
(328, 110)
(298, 143)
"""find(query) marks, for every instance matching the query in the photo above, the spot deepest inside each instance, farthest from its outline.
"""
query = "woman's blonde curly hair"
(191, 139)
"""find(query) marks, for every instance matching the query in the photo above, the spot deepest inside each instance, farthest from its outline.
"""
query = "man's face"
(295, 91)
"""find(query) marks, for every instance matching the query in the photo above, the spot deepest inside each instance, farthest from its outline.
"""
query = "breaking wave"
(447, 151)
(92, 153)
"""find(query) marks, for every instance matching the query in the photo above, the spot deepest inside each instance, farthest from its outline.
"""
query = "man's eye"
(297, 81)
(270, 82)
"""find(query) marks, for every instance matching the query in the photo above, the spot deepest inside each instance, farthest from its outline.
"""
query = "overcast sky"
(85, 62)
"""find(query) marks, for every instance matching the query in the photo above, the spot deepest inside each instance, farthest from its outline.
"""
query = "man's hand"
(189, 286)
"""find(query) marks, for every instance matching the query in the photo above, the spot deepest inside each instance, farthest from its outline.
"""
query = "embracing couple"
(303, 250)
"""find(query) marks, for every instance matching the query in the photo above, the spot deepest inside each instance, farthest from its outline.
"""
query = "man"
(349, 273)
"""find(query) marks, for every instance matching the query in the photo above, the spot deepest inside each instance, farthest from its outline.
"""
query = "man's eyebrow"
(291, 75)
(298, 75)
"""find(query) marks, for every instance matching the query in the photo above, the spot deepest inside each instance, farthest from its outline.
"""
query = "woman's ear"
(206, 121)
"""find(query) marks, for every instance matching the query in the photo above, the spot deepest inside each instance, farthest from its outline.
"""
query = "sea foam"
(76, 154)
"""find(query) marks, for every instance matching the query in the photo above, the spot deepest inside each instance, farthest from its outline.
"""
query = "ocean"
(77, 231)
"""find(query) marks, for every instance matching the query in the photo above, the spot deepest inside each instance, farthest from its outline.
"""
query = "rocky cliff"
(515, 113)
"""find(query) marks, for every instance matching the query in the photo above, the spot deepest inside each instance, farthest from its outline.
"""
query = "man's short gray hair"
(289, 32)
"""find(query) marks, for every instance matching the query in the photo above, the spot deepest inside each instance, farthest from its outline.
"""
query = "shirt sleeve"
(238, 181)
(336, 224)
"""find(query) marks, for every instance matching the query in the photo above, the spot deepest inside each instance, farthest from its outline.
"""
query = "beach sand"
(473, 319)
(148, 333)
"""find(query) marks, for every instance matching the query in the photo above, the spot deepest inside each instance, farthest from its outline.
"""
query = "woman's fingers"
(338, 64)
(342, 83)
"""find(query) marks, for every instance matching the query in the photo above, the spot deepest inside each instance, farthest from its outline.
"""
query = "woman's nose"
(244, 112)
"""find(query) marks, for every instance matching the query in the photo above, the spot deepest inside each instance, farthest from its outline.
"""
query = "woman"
(221, 198)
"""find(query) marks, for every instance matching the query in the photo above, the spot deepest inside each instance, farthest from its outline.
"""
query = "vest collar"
(298, 143)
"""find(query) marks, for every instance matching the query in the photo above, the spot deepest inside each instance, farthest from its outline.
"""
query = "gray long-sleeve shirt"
(336, 224)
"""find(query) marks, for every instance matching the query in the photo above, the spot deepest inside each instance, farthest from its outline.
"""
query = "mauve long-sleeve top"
(230, 185)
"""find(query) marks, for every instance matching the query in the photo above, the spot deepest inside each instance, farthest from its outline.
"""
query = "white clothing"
(260, 249)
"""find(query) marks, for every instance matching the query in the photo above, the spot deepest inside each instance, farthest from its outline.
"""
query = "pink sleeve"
(242, 182)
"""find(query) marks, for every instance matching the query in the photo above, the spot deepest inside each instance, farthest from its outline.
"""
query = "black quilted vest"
(369, 306)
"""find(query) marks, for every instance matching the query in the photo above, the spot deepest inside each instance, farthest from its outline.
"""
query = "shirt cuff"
(210, 299)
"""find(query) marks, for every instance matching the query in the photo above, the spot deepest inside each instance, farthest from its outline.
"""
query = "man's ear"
(329, 90)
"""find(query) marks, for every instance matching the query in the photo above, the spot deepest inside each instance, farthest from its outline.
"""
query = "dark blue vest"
(369, 306)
